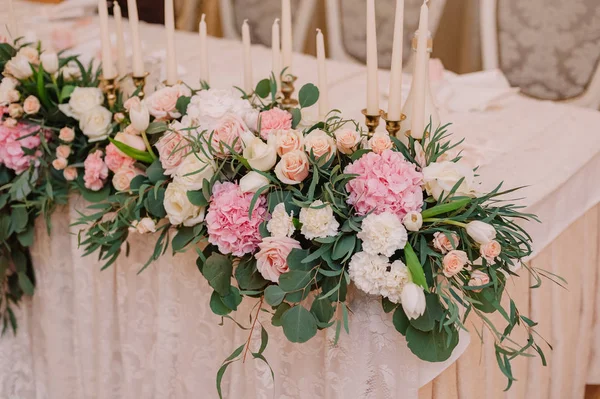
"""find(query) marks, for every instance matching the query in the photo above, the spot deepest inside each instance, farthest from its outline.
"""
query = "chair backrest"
(261, 14)
(346, 27)
(551, 50)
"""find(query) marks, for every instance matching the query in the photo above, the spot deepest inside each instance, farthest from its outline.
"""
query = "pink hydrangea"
(274, 119)
(12, 142)
(115, 159)
(227, 219)
(96, 171)
(385, 182)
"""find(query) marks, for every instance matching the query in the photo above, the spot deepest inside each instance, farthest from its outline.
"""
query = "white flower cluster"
(318, 221)
(382, 234)
(85, 105)
(281, 223)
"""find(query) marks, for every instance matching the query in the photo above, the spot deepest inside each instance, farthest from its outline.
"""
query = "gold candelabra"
(140, 83)
(393, 127)
(287, 89)
(372, 121)
(109, 87)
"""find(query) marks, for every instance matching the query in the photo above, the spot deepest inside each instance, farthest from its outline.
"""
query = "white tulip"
(413, 221)
(481, 232)
(18, 67)
(140, 117)
(260, 155)
(413, 300)
(252, 182)
(440, 177)
(49, 61)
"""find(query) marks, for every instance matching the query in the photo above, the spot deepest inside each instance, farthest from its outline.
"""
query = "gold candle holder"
(372, 121)
(287, 89)
(109, 87)
(393, 127)
(140, 83)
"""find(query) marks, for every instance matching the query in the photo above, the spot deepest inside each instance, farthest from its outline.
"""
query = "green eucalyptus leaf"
(308, 95)
(432, 346)
(263, 88)
(248, 277)
(343, 246)
(322, 309)
(296, 117)
(154, 203)
(295, 280)
(433, 312)
(233, 299)
(157, 127)
(197, 198)
(155, 172)
(182, 104)
(25, 284)
(217, 306)
(274, 295)
(299, 325)
(19, 218)
(281, 309)
(183, 237)
(400, 320)
(217, 270)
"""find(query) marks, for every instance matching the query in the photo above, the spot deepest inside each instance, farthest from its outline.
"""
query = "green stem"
(447, 221)
(148, 146)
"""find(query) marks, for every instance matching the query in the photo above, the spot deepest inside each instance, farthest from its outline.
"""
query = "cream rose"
(123, 177)
(31, 105)
(18, 67)
(478, 278)
(454, 262)
(293, 167)
(63, 151)
(179, 208)
(70, 173)
(144, 226)
(318, 221)
(320, 144)
(347, 140)
(95, 123)
(192, 172)
(413, 221)
(440, 177)
(286, 141)
(49, 61)
(82, 100)
(66, 134)
(281, 223)
(260, 155)
(490, 251)
(379, 142)
(252, 182)
(271, 259)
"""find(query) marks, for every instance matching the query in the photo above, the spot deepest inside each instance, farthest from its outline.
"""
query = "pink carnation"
(115, 159)
(385, 182)
(96, 171)
(227, 220)
(274, 119)
(12, 142)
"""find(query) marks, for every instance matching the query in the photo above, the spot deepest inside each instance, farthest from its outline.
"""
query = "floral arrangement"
(285, 211)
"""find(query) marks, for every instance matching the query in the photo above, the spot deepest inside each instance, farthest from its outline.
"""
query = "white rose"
(440, 177)
(138, 114)
(320, 144)
(413, 221)
(82, 100)
(179, 208)
(146, 225)
(260, 155)
(382, 234)
(193, 170)
(481, 232)
(18, 67)
(252, 182)
(318, 221)
(49, 61)
(95, 123)
(281, 223)
(207, 107)
(413, 300)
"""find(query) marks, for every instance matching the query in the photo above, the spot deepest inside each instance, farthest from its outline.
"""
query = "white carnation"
(395, 280)
(368, 272)
(281, 223)
(382, 234)
(318, 221)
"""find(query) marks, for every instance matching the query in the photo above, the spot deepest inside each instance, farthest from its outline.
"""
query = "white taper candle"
(372, 66)
(395, 104)
(322, 70)
(248, 79)
(121, 58)
(108, 69)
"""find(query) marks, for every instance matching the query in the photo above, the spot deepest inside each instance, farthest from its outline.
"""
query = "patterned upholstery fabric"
(549, 48)
(354, 28)
(260, 15)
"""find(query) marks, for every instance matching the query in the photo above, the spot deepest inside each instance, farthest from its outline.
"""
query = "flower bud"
(413, 221)
(413, 300)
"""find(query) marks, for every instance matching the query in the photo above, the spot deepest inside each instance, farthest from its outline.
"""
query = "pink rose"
(347, 140)
(96, 171)
(162, 103)
(31, 105)
(70, 173)
(271, 259)
(172, 148)
(490, 251)
(274, 119)
(122, 179)
(59, 163)
(227, 134)
(478, 278)
(442, 243)
(454, 262)
(379, 142)
(115, 159)
(286, 141)
(66, 134)
(63, 151)
(293, 167)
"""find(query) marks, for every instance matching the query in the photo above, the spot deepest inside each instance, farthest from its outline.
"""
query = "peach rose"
(228, 134)
(59, 163)
(172, 148)
(271, 259)
(320, 144)
(490, 251)
(70, 173)
(13, 96)
(286, 140)
(31, 105)
(478, 278)
(66, 134)
(63, 151)
(292, 168)
(379, 142)
(123, 177)
(347, 140)
(442, 243)
(454, 262)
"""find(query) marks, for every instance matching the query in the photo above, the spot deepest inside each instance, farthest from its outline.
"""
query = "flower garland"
(277, 208)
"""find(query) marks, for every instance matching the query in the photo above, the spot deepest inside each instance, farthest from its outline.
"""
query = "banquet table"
(89, 333)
